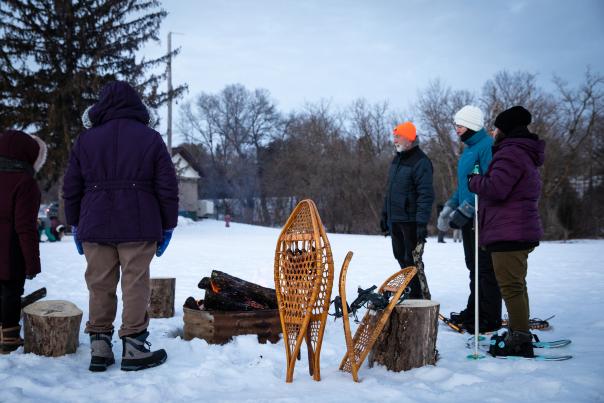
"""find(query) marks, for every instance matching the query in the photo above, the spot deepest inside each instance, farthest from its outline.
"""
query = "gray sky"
(305, 51)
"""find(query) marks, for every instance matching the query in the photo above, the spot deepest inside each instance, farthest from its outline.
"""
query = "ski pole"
(476, 330)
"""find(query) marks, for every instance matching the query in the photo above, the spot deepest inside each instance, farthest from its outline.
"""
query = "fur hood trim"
(42, 153)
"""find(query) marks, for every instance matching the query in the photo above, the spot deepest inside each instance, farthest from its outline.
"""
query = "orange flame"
(214, 287)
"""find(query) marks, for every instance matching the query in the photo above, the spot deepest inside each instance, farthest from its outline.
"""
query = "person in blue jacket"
(408, 200)
(458, 213)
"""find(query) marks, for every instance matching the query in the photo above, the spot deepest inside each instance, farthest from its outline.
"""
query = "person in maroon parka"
(21, 156)
(509, 223)
(121, 197)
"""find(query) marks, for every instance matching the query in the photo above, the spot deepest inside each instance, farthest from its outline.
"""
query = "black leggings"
(10, 301)
(404, 240)
(489, 295)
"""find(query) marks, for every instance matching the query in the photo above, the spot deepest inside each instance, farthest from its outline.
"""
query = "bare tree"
(370, 132)
(581, 141)
(234, 126)
(436, 107)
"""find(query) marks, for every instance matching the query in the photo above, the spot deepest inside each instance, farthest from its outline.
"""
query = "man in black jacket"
(408, 200)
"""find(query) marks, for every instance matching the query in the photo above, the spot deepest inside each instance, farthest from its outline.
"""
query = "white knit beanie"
(471, 117)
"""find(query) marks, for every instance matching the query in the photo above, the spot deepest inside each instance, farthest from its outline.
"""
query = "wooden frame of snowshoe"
(303, 282)
(373, 322)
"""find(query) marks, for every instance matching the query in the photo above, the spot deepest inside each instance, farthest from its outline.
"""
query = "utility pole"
(169, 74)
(169, 67)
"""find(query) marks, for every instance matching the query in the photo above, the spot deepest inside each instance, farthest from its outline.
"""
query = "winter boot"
(514, 343)
(136, 354)
(11, 339)
(458, 318)
(101, 353)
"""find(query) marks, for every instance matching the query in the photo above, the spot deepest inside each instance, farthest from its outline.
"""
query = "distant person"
(121, 199)
(52, 234)
(458, 213)
(510, 227)
(21, 156)
(408, 200)
(456, 235)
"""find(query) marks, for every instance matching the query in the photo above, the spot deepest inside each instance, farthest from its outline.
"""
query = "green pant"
(510, 270)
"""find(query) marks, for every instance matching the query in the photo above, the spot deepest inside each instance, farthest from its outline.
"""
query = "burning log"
(228, 293)
(232, 307)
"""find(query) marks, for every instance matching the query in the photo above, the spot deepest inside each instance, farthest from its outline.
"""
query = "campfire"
(231, 306)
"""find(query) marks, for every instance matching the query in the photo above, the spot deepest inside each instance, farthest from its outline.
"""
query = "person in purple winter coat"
(121, 199)
(509, 223)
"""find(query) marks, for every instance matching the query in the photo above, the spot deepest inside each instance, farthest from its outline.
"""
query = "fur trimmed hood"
(118, 100)
(17, 145)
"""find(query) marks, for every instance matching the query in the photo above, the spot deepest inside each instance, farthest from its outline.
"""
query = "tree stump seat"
(161, 304)
(409, 339)
(51, 328)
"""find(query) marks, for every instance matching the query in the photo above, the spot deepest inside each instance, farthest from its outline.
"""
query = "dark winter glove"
(422, 232)
(30, 276)
(384, 225)
(165, 241)
(74, 231)
(462, 215)
(470, 176)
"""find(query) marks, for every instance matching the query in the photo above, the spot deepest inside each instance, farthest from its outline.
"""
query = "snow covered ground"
(566, 279)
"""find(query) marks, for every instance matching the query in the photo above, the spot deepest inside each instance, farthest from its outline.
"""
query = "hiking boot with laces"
(101, 353)
(136, 354)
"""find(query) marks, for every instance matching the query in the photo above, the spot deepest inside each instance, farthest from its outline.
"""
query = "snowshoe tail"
(534, 323)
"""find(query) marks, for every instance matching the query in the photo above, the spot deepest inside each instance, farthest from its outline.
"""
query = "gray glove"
(443, 218)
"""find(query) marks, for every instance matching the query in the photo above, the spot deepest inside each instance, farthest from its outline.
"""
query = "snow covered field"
(566, 279)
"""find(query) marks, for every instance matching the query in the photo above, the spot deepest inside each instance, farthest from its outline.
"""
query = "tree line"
(258, 162)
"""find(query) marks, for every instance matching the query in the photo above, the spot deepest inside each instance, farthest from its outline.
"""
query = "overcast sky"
(305, 51)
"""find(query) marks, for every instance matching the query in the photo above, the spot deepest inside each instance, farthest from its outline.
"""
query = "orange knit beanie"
(406, 130)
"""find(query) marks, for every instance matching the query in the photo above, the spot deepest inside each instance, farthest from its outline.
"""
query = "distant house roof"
(185, 164)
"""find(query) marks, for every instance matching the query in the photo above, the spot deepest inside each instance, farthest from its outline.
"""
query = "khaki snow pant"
(102, 276)
(510, 270)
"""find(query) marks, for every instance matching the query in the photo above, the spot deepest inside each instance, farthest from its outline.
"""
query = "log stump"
(161, 303)
(409, 338)
(51, 328)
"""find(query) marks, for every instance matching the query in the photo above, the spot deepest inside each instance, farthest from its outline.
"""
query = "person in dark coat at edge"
(121, 199)
(511, 227)
(458, 213)
(408, 200)
(21, 156)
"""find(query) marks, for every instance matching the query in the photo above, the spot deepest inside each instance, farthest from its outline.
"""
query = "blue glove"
(74, 231)
(165, 241)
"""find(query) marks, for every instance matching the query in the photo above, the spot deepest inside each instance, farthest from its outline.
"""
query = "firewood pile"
(231, 306)
(224, 292)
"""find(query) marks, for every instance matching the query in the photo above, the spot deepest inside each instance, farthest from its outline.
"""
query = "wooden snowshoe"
(373, 322)
(303, 283)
